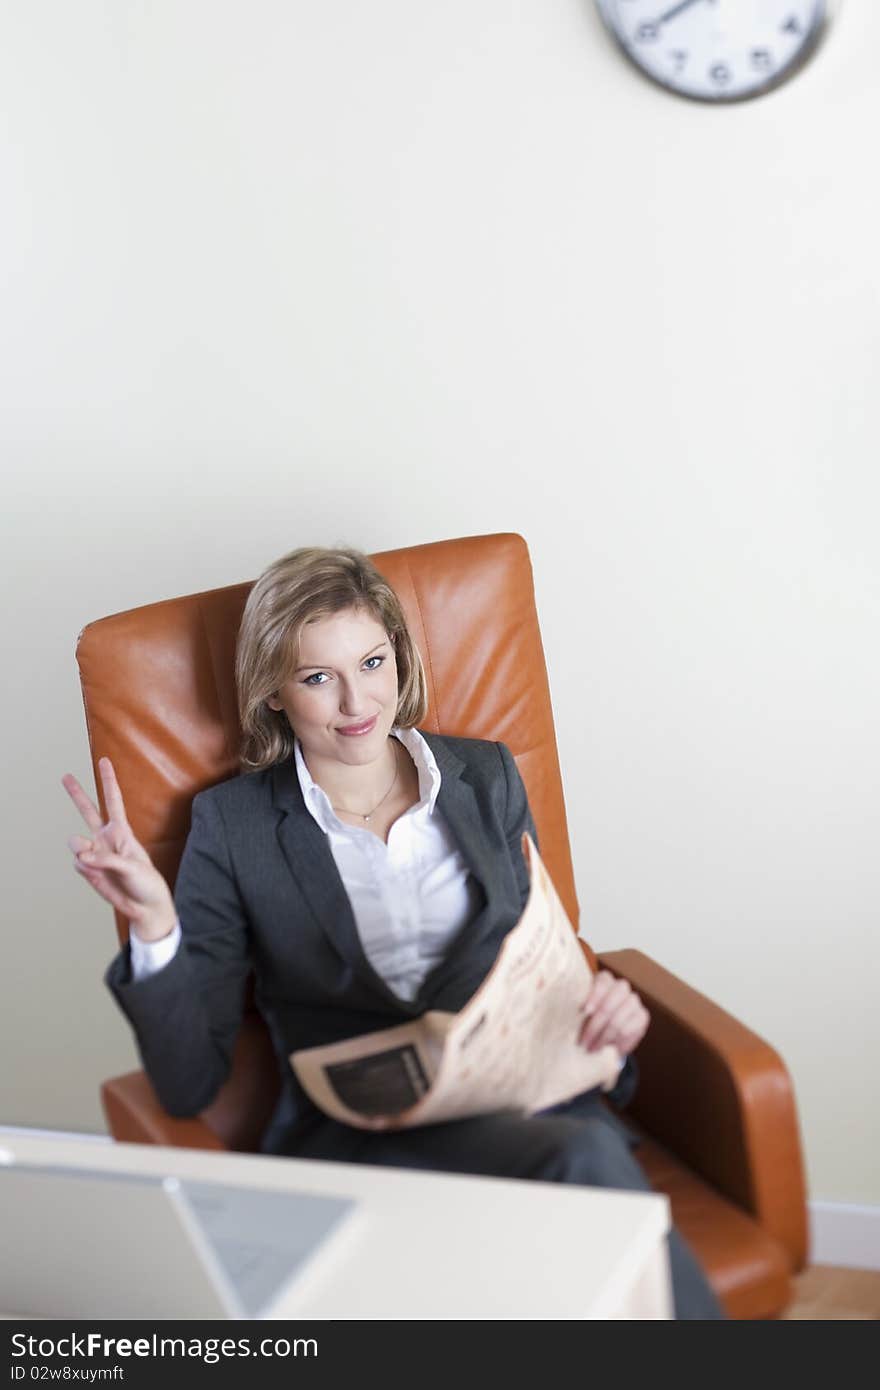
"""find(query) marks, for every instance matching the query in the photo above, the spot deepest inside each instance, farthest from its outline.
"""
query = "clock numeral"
(720, 73)
(648, 31)
(791, 25)
(761, 59)
(679, 57)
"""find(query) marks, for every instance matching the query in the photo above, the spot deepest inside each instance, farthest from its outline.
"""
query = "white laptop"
(79, 1243)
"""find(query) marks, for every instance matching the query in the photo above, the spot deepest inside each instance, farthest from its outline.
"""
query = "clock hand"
(677, 9)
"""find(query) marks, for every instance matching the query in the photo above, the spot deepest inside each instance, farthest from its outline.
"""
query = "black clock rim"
(817, 36)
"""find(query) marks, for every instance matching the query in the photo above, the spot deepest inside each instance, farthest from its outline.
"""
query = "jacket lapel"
(458, 803)
(310, 861)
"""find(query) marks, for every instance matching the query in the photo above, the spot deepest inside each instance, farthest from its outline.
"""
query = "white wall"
(279, 273)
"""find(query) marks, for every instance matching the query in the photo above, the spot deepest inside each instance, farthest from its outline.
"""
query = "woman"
(364, 872)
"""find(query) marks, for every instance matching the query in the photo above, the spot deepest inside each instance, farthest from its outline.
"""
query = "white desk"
(438, 1245)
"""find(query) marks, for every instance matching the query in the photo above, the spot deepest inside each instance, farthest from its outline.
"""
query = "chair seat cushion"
(749, 1270)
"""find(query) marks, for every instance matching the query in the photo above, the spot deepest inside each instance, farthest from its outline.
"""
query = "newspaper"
(514, 1045)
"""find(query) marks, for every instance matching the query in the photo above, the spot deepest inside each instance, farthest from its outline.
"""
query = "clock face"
(716, 50)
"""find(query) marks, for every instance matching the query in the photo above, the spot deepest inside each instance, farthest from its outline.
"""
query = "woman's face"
(342, 698)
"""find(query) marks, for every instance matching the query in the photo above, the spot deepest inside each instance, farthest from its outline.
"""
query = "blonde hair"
(309, 584)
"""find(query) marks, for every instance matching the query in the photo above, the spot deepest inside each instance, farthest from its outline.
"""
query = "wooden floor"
(826, 1293)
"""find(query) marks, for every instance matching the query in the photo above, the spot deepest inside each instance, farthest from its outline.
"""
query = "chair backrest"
(159, 690)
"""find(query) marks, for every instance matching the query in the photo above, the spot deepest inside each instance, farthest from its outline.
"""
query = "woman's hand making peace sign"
(115, 863)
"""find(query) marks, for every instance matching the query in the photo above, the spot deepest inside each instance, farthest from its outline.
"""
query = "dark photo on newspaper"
(381, 1084)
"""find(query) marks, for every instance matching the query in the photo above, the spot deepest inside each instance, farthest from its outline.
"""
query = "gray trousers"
(576, 1142)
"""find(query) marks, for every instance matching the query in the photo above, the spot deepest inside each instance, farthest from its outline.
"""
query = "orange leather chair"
(715, 1103)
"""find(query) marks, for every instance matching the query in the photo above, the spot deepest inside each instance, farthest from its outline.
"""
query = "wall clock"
(718, 50)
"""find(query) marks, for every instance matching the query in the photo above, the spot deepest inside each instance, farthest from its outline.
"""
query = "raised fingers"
(112, 793)
(83, 803)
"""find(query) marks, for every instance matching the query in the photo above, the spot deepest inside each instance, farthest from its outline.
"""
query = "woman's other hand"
(613, 1014)
(115, 863)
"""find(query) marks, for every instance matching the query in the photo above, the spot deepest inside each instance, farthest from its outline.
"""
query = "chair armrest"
(135, 1116)
(720, 1098)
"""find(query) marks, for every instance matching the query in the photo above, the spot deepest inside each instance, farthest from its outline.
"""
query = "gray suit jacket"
(258, 890)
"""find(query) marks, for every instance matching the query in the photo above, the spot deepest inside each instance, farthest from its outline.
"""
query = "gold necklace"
(345, 810)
